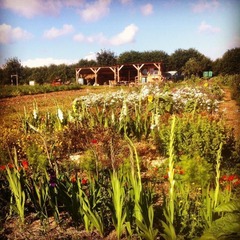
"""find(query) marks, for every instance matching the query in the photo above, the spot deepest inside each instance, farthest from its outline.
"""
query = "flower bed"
(149, 163)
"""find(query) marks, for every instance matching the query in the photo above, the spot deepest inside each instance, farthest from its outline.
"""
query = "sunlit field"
(145, 162)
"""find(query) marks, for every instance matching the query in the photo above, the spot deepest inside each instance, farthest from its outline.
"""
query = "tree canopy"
(187, 61)
(229, 63)
(106, 58)
(12, 67)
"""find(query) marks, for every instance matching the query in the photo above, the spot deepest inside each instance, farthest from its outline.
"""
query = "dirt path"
(231, 111)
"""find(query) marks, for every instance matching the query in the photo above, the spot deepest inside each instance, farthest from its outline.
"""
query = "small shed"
(123, 73)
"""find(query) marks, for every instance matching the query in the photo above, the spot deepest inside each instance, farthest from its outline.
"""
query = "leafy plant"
(15, 179)
(227, 226)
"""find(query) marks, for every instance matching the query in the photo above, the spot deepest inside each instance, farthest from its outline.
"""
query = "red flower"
(165, 176)
(224, 178)
(84, 181)
(237, 182)
(25, 164)
(3, 167)
(10, 165)
(231, 178)
(181, 172)
(73, 179)
(94, 141)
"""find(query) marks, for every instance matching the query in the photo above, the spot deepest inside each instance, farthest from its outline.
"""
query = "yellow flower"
(205, 84)
(150, 98)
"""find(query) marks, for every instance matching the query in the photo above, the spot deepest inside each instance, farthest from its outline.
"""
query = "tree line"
(187, 62)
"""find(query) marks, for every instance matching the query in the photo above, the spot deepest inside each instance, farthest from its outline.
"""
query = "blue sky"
(43, 32)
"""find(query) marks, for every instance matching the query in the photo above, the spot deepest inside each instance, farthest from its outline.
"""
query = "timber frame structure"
(132, 73)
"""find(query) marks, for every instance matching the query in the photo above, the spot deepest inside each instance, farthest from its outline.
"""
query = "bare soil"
(231, 112)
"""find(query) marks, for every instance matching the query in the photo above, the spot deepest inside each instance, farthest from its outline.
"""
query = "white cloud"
(8, 34)
(205, 5)
(96, 10)
(147, 9)
(38, 62)
(126, 1)
(54, 32)
(207, 28)
(72, 3)
(99, 38)
(31, 8)
(126, 36)
(91, 56)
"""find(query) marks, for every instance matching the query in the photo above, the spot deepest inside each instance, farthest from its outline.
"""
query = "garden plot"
(157, 161)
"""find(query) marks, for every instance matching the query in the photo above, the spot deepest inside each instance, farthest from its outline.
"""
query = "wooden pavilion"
(132, 73)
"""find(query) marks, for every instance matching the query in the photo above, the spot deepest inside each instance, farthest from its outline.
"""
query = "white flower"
(60, 114)
(35, 113)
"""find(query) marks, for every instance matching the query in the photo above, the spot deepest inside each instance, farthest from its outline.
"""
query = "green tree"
(1, 76)
(106, 58)
(230, 62)
(180, 57)
(217, 66)
(12, 67)
(27, 73)
(39, 74)
(86, 63)
(192, 67)
(156, 56)
(130, 57)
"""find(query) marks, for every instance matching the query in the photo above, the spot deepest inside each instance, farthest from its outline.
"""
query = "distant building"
(134, 73)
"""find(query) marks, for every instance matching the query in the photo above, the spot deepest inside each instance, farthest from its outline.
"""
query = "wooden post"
(114, 69)
(158, 66)
(138, 67)
(118, 72)
(95, 71)
(77, 74)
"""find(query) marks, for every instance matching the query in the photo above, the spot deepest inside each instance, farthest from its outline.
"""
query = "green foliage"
(146, 225)
(196, 170)
(195, 136)
(227, 226)
(38, 192)
(180, 61)
(13, 91)
(129, 57)
(192, 66)
(106, 58)
(118, 199)
(12, 67)
(181, 56)
(15, 180)
(106, 139)
(229, 63)
(37, 158)
(232, 81)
